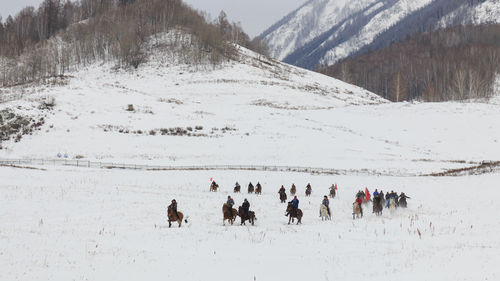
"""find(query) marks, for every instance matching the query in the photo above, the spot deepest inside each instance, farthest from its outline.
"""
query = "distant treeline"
(450, 64)
(61, 35)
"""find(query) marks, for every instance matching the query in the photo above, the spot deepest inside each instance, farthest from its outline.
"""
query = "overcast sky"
(254, 15)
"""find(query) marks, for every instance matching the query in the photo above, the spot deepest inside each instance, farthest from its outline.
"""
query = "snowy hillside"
(325, 31)
(252, 112)
(247, 103)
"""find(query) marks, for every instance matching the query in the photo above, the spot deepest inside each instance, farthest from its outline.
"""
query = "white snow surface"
(65, 223)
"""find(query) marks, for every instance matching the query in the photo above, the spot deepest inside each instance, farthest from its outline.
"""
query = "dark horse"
(258, 189)
(173, 217)
(226, 214)
(250, 188)
(282, 196)
(308, 191)
(291, 213)
(377, 205)
(402, 202)
(237, 188)
(251, 218)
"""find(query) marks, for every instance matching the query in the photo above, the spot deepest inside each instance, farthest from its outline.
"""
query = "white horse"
(323, 210)
(392, 205)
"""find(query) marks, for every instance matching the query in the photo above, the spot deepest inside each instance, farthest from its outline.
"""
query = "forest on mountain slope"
(456, 63)
(60, 36)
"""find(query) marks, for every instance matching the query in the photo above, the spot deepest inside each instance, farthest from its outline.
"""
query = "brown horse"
(258, 190)
(293, 190)
(291, 213)
(308, 191)
(237, 189)
(214, 188)
(251, 218)
(226, 214)
(173, 217)
(282, 194)
(250, 188)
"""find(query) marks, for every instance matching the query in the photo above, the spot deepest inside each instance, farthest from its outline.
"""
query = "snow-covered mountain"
(324, 31)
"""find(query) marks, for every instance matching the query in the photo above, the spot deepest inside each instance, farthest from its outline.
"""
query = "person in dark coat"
(295, 205)
(230, 204)
(326, 202)
(173, 207)
(282, 189)
(246, 207)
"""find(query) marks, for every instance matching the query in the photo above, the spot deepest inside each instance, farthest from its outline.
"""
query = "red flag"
(367, 194)
(335, 186)
(210, 179)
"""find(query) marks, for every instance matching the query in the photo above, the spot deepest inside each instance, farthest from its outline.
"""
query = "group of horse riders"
(361, 197)
(379, 199)
(251, 188)
(245, 206)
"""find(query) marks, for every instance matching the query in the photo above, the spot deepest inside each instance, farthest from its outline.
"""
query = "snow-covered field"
(66, 223)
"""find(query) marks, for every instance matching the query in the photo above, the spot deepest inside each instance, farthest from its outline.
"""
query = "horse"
(323, 210)
(282, 196)
(332, 193)
(226, 214)
(402, 202)
(292, 214)
(258, 190)
(237, 189)
(356, 210)
(213, 188)
(173, 217)
(250, 189)
(392, 205)
(293, 190)
(308, 191)
(377, 206)
(244, 216)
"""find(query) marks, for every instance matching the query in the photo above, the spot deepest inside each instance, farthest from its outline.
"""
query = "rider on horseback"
(282, 189)
(295, 206)
(173, 207)
(326, 203)
(246, 207)
(230, 203)
(359, 201)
